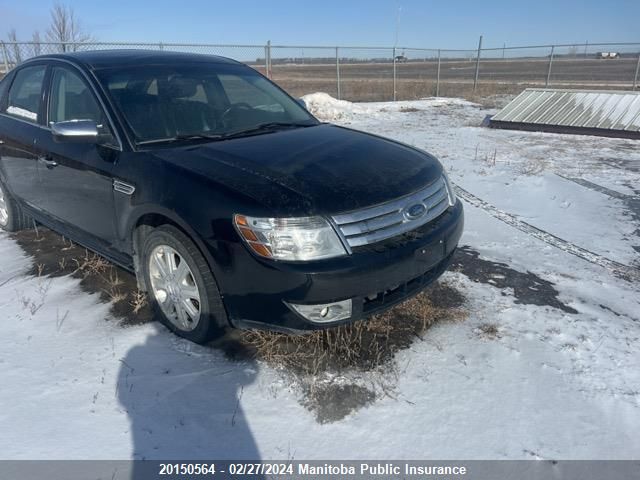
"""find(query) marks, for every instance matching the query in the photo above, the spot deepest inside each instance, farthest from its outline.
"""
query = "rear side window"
(25, 93)
(4, 85)
(71, 99)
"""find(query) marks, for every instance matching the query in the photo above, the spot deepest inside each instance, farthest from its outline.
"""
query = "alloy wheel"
(174, 287)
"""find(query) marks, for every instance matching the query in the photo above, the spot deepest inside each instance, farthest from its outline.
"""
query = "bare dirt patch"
(55, 256)
(528, 288)
(409, 109)
(333, 402)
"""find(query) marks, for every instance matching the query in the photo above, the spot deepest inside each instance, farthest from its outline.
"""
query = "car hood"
(324, 169)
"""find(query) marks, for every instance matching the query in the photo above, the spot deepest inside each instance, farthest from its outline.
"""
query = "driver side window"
(71, 99)
(239, 90)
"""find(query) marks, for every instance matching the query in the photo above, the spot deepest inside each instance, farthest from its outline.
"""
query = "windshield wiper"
(182, 138)
(266, 128)
(262, 128)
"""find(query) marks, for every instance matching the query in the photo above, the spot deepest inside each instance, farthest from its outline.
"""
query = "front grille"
(373, 224)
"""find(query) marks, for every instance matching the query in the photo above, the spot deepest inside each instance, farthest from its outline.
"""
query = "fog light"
(324, 312)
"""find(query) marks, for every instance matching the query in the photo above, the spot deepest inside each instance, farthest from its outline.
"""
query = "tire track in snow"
(598, 188)
(621, 270)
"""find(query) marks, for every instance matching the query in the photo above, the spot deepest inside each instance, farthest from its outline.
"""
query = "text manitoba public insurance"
(383, 469)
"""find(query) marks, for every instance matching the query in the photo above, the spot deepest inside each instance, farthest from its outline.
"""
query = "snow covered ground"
(517, 379)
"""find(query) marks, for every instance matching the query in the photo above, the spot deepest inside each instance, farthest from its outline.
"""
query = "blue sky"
(429, 24)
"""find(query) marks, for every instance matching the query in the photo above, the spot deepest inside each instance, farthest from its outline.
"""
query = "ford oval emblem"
(413, 212)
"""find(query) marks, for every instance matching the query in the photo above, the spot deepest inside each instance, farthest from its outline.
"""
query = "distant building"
(605, 55)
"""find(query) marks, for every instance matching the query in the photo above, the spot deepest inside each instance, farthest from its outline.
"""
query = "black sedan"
(233, 205)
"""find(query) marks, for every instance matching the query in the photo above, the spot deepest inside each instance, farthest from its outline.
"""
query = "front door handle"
(48, 162)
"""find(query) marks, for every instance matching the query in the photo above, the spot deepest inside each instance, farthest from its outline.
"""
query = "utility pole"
(338, 72)
(438, 76)
(475, 80)
(549, 68)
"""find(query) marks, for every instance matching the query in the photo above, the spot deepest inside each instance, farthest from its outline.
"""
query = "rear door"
(77, 177)
(22, 132)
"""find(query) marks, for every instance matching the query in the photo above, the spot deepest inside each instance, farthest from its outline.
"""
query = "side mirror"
(75, 131)
(301, 103)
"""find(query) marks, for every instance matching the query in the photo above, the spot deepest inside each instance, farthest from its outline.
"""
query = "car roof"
(96, 59)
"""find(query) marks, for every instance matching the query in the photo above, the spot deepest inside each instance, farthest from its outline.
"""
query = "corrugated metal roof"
(615, 113)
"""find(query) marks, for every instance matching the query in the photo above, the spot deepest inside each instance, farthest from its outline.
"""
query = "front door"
(76, 177)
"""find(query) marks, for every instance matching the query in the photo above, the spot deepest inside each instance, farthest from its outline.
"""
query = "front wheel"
(181, 286)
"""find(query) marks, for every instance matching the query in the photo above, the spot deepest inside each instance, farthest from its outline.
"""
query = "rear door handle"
(48, 162)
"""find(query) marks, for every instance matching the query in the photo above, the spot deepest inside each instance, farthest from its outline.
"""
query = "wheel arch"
(146, 220)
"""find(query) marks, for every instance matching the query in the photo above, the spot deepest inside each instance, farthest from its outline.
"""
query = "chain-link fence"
(382, 74)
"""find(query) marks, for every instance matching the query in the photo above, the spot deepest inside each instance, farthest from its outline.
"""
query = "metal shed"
(584, 112)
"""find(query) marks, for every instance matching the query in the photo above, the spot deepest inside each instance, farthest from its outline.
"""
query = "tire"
(171, 289)
(12, 218)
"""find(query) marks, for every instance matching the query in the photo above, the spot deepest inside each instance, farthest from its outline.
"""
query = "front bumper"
(375, 277)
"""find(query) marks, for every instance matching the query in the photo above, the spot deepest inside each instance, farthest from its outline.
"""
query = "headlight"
(450, 190)
(297, 239)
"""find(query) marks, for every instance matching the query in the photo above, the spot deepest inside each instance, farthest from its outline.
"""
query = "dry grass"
(138, 301)
(534, 166)
(364, 345)
(381, 90)
(115, 295)
(489, 331)
(91, 264)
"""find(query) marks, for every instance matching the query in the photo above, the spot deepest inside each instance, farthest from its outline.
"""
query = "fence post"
(268, 58)
(5, 56)
(550, 64)
(438, 76)
(394, 74)
(475, 80)
(160, 46)
(266, 61)
(635, 78)
(338, 72)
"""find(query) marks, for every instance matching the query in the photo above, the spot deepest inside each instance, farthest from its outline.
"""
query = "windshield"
(173, 102)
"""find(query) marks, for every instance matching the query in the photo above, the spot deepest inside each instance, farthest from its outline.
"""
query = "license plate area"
(430, 254)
